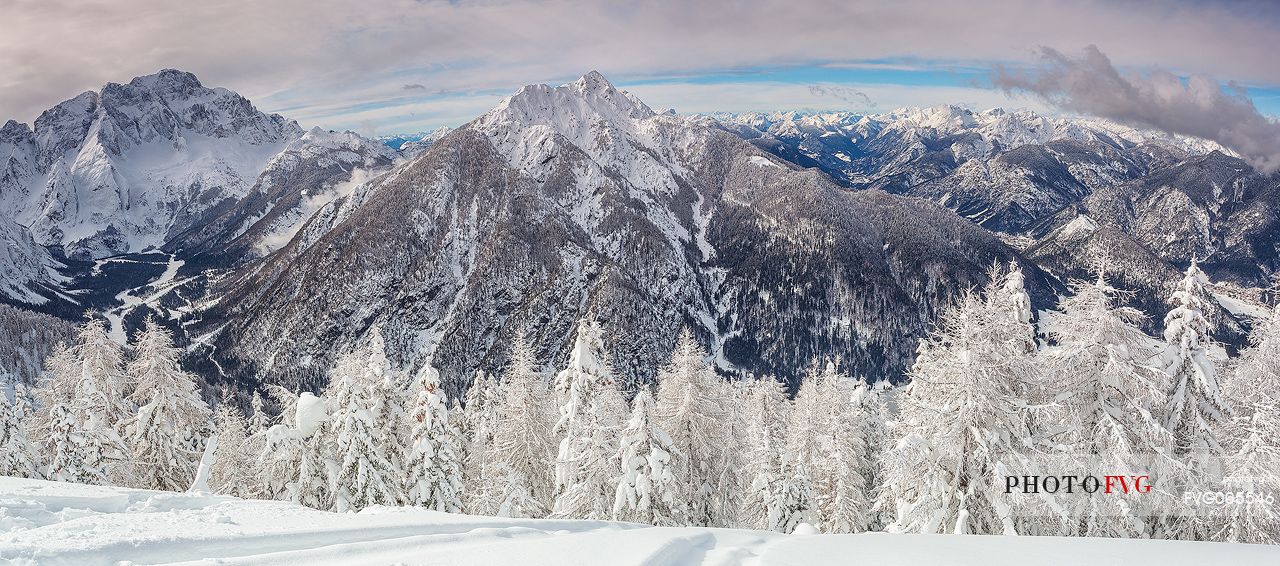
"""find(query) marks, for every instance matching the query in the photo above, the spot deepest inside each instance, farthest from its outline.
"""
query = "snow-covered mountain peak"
(168, 81)
(590, 114)
(14, 130)
(569, 107)
(115, 170)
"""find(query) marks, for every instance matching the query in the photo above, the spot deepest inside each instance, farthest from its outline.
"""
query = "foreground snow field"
(60, 523)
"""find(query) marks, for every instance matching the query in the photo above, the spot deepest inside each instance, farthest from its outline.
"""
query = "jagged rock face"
(575, 199)
(1007, 171)
(120, 169)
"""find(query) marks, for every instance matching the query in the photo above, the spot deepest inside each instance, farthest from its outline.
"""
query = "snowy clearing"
(62, 523)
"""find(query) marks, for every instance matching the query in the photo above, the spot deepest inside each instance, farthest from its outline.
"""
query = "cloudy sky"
(390, 66)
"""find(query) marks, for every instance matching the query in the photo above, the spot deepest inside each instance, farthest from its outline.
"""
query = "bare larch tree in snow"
(689, 407)
(519, 472)
(166, 436)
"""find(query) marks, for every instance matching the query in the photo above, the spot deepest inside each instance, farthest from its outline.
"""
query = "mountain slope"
(580, 199)
(28, 273)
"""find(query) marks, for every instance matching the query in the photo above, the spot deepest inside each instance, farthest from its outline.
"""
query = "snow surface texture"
(50, 523)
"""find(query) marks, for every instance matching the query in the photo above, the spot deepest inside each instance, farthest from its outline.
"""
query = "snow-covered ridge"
(50, 523)
(1009, 129)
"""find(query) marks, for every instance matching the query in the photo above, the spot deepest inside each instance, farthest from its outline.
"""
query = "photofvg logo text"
(1107, 484)
(1157, 484)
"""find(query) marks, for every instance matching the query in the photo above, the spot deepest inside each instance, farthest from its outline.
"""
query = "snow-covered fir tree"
(519, 472)
(647, 491)
(962, 423)
(72, 454)
(689, 407)
(1196, 408)
(363, 474)
(1196, 403)
(166, 436)
(777, 497)
(18, 455)
(434, 464)
(391, 395)
(590, 417)
(308, 449)
(1108, 403)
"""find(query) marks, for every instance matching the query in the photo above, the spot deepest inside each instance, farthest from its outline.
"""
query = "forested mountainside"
(580, 199)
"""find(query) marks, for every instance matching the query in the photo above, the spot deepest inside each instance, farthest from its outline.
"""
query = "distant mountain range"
(776, 237)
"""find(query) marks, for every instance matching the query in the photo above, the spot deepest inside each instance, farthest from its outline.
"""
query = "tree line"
(990, 396)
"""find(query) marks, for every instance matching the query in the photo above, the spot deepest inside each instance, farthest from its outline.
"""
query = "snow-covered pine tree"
(1107, 401)
(309, 448)
(72, 454)
(18, 454)
(1252, 441)
(259, 420)
(434, 463)
(391, 397)
(647, 490)
(279, 449)
(234, 466)
(962, 422)
(590, 418)
(363, 473)
(689, 408)
(1196, 403)
(477, 430)
(776, 498)
(166, 436)
(519, 478)
(1196, 407)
